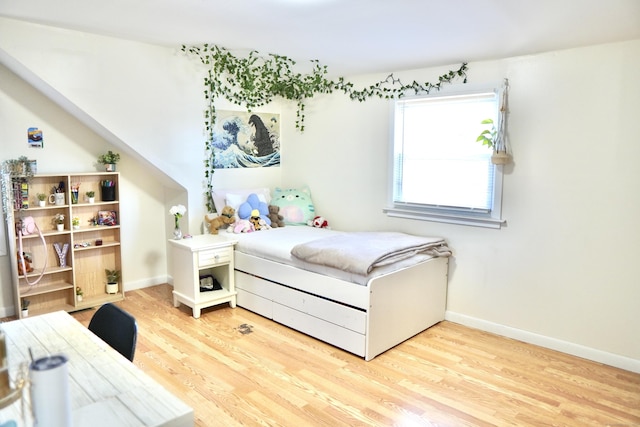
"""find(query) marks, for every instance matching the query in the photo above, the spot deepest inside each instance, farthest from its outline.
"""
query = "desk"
(106, 389)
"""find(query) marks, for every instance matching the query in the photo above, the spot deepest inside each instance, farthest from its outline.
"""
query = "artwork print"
(246, 140)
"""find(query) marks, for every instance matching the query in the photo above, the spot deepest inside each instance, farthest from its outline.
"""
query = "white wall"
(561, 273)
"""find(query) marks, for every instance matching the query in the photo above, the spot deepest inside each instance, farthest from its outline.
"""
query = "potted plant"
(492, 139)
(59, 221)
(24, 307)
(112, 280)
(91, 195)
(75, 222)
(42, 199)
(109, 160)
(79, 294)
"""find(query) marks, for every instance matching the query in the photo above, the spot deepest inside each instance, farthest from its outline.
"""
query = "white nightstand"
(202, 255)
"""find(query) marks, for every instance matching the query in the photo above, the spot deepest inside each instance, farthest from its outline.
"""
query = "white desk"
(106, 389)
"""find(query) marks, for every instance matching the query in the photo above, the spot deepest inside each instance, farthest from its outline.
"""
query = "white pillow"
(220, 196)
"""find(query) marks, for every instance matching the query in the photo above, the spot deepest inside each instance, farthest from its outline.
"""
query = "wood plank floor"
(237, 368)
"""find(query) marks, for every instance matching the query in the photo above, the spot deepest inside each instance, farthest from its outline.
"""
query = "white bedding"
(276, 245)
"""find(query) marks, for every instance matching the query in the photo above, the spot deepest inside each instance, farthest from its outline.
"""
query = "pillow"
(220, 196)
(295, 205)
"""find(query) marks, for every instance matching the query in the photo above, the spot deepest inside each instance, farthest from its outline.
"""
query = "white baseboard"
(578, 350)
(139, 284)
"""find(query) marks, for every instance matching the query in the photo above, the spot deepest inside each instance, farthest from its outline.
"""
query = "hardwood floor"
(237, 368)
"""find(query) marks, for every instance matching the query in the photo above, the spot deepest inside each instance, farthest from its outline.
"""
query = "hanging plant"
(255, 81)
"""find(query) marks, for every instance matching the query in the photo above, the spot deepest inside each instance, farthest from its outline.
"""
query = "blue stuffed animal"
(253, 202)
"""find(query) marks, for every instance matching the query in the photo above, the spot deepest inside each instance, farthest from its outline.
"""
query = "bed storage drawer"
(210, 257)
(318, 328)
(341, 315)
(255, 303)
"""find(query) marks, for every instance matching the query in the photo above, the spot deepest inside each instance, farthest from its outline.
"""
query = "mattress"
(276, 244)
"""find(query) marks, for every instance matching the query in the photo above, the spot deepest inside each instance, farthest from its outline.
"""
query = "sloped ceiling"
(351, 36)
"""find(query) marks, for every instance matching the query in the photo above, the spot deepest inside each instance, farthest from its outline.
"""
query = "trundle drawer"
(211, 257)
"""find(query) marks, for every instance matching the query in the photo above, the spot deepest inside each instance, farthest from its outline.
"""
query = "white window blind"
(437, 163)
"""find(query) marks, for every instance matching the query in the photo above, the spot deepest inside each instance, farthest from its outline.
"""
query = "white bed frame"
(364, 320)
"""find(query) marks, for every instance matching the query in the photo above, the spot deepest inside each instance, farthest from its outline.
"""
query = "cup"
(50, 398)
(56, 198)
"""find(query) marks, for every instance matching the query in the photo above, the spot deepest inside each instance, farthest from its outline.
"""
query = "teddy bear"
(318, 222)
(277, 220)
(27, 264)
(226, 218)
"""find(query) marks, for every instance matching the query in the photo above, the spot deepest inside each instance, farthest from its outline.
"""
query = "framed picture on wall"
(246, 140)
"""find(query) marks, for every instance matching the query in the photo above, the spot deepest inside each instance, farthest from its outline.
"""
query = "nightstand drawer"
(214, 256)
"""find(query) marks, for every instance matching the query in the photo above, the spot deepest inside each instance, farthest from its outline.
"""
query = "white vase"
(60, 227)
(25, 313)
(92, 199)
(79, 298)
(42, 203)
(112, 288)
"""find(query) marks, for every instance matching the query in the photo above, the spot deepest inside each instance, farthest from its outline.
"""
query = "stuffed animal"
(255, 219)
(226, 218)
(241, 226)
(318, 222)
(27, 264)
(277, 220)
(253, 202)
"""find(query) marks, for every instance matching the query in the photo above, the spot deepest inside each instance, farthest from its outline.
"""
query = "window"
(440, 172)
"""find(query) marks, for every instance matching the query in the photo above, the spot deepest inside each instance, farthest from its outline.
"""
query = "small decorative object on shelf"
(59, 221)
(91, 196)
(24, 306)
(109, 160)
(108, 189)
(62, 253)
(42, 199)
(75, 191)
(79, 294)
(112, 281)
(177, 211)
(75, 222)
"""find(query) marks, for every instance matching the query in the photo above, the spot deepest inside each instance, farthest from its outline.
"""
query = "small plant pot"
(79, 298)
(110, 167)
(42, 203)
(25, 313)
(60, 227)
(92, 200)
(500, 158)
(112, 288)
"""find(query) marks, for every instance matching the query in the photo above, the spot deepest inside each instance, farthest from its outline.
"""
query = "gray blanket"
(361, 252)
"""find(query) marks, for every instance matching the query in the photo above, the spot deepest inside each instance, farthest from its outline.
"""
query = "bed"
(363, 312)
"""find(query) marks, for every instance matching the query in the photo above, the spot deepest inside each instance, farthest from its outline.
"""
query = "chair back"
(117, 328)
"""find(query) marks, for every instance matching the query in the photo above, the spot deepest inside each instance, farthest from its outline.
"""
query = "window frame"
(450, 215)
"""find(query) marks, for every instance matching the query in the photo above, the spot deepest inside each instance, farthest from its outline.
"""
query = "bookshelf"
(75, 256)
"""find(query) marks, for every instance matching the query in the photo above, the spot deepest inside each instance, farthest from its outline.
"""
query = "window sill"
(446, 217)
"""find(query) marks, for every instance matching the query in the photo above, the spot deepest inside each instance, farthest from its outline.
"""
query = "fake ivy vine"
(256, 80)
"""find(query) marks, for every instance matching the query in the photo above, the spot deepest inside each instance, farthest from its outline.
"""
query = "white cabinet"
(201, 256)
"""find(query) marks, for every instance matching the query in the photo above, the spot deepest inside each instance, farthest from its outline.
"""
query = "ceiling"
(350, 36)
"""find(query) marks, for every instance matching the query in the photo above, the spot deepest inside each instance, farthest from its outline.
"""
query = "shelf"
(94, 247)
(55, 290)
(96, 228)
(50, 308)
(27, 290)
(97, 300)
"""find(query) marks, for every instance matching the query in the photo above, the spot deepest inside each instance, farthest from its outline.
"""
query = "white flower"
(177, 211)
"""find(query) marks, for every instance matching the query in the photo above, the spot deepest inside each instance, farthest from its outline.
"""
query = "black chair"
(117, 328)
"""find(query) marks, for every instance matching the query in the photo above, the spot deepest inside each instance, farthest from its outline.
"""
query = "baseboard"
(588, 353)
(146, 283)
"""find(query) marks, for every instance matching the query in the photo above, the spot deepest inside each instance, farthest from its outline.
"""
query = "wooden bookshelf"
(92, 246)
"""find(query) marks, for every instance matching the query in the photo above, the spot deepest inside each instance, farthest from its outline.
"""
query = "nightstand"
(202, 256)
